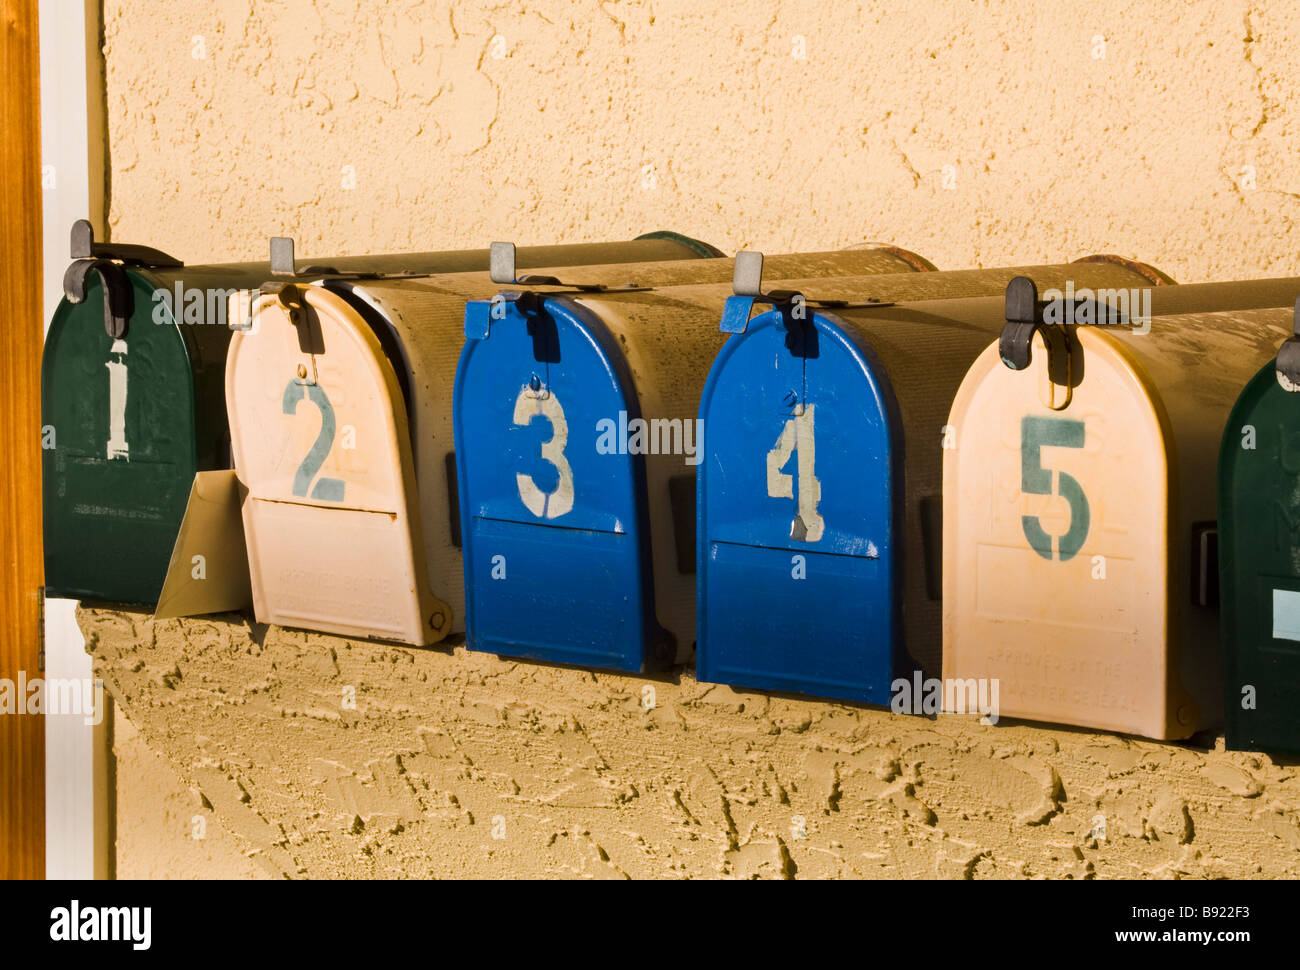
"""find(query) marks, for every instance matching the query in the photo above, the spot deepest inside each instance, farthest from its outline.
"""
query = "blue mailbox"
(575, 421)
(543, 506)
(818, 504)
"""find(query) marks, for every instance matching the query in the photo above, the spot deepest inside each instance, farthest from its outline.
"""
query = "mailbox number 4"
(1035, 434)
(797, 438)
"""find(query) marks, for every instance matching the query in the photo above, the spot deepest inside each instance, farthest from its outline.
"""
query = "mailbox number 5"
(1035, 433)
(545, 505)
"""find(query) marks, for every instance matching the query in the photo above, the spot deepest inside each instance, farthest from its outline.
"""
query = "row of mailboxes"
(132, 390)
(340, 400)
(902, 469)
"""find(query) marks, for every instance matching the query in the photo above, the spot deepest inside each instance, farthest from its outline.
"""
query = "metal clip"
(1026, 315)
(284, 265)
(286, 287)
(107, 261)
(747, 284)
(1288, 356)
(502, 269)
(85, 247)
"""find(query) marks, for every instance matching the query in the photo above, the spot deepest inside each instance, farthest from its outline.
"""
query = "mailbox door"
(321, 444)
(797, 514)
(1259, 562)
(1056, 543)
(553, 521)
(119, 448)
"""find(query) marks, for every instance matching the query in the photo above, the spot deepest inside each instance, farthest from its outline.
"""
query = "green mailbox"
(133, 394)
(1259, 558)
(132, 408)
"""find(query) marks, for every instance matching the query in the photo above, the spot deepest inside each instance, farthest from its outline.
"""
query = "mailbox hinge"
(40, 628)
(1288, 356)
(502, 269)
(107, 260)
(747, 285)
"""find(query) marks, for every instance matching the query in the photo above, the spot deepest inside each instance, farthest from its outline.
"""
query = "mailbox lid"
(557, 556)
(321, 445)
(1061, 579)
(120, 451)
(1032, 497)
(797, 547)
(1259, 566)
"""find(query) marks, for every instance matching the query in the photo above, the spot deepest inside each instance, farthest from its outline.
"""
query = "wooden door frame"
(22, 736)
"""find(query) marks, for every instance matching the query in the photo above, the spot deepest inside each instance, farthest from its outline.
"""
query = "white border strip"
(78, 796)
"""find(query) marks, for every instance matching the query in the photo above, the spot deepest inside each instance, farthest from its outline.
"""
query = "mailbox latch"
(502, 269)
(747, 285)
(107, 261)
(1027, 315)
(284, 285)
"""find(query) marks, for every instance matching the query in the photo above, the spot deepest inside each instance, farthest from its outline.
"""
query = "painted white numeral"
(545, 505)
(117, 446)
(797, 437)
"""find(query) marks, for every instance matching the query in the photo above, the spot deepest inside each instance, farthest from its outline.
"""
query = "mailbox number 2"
(545, 505)
(1035, 433)
(327, 489)
(797, 437)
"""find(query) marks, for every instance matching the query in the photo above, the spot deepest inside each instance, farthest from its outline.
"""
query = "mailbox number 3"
(1035, 433)
(545, 505)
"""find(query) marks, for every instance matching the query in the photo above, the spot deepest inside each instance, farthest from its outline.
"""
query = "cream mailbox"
(340, 416)
(1079, 503)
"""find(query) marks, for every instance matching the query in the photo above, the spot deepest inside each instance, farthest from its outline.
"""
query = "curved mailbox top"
(1079, 511)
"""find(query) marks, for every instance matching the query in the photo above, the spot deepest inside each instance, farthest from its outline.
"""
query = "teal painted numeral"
(327, 489)
(1035, 434)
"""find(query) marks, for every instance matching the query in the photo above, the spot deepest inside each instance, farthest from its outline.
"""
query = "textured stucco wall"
(233, 120)
(973, 133)
(458, 764)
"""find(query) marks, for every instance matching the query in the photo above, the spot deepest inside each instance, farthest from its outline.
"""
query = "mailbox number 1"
(545, 505)
(117, 443)
(797, 437)
(1035, 433)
